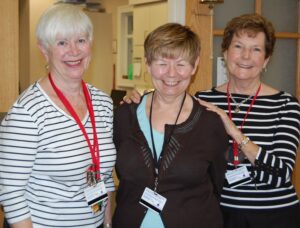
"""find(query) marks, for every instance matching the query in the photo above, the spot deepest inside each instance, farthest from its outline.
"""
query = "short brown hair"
(172, 40)
(251, 24)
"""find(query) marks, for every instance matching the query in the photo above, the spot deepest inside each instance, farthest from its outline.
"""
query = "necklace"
(238, 105)
(235, 148)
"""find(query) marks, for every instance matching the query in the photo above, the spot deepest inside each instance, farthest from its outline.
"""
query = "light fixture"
(72, 1)
(89, 5)
(210, 2)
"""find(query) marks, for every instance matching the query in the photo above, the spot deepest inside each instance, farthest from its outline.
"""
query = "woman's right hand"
(230, 127)
(134, 96)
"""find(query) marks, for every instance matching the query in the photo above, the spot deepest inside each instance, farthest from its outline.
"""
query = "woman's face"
(171, 77)
(245, 56)
(69, 58)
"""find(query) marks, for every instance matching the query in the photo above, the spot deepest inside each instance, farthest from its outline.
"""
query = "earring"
(47, 66)
(265, 69)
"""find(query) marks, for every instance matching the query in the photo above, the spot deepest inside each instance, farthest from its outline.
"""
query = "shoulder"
(31, 94)
(281, 98)
(27, 108)
(30, 101)
(98, 94)
(204, 92)
(100, 99)
(213, 96)
(289, 97)
(210, 93)
(281, 105)
(125, 110)
(208, 117)
(290, 102)
(209, 122)
(132, 107)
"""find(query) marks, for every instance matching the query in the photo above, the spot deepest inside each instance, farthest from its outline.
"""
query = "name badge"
(153, 200)
(238, 176)
(95, 195)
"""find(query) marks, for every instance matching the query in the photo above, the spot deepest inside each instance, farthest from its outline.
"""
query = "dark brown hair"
(251, 24)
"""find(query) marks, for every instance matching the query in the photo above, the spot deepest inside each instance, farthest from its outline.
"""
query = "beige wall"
(32, 63)
(100, 71)
(37, 61)
(111, 6)
(9, 57)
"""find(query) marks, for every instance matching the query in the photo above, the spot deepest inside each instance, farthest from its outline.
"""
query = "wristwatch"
(244, 142)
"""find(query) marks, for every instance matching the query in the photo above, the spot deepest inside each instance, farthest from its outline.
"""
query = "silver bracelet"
(107, 225)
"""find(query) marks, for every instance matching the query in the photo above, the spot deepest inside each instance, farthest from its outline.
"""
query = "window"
(125, 47)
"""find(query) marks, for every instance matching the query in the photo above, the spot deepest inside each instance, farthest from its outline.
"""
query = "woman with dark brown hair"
(263, 125)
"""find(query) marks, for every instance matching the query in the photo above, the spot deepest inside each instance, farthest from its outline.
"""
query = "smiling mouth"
(171, 83)
(73, 63)
(244, 66)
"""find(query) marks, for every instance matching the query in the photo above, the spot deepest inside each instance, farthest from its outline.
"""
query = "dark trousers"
(280, 218)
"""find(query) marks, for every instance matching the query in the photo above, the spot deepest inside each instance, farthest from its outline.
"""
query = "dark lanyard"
(156, 161)
(94, 149)
(235, 145)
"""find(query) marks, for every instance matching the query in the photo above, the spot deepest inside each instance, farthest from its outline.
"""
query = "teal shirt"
(152, 218)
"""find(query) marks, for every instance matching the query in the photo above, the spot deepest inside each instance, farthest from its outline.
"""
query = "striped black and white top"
(272, 124)
(44, 157)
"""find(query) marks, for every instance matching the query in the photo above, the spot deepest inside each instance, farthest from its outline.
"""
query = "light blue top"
(152, 218)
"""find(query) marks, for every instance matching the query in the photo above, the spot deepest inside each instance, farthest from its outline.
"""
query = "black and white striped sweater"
(44, 157)
(272, 124)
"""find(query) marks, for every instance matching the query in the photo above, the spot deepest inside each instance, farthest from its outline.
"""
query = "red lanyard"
(94, 149)
(235, 145)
